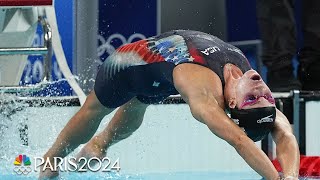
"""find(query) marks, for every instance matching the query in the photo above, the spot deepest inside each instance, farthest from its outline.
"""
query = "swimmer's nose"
(253, 75)
(256, 77)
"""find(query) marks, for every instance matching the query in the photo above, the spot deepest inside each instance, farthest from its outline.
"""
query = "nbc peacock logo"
(22, 165)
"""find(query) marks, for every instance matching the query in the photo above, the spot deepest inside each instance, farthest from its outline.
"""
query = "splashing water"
(13, 129)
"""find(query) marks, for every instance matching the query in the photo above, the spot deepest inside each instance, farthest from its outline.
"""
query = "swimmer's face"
(252, 92)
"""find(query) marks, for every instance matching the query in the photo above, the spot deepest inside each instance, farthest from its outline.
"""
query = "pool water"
(155, 176)
(151, 176)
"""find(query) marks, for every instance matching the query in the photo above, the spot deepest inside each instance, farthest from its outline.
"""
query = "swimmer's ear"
(232, 103)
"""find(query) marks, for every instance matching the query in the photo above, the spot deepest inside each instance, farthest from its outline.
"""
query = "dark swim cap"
(256, 122)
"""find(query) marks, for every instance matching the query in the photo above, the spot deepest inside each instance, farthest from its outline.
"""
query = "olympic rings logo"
(106, 46)
(22, 170)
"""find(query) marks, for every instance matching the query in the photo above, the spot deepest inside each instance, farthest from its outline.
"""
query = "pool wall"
(312, 128)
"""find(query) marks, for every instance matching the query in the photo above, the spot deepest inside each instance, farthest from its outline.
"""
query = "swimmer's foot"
(47, 174)
(90, 150)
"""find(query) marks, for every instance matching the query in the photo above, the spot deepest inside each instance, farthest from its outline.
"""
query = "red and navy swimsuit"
(143, 69)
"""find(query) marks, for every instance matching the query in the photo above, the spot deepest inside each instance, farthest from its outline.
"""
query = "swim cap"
(256, 122)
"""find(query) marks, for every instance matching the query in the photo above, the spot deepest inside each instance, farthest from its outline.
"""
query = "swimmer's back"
(143, 69)
(178, 46)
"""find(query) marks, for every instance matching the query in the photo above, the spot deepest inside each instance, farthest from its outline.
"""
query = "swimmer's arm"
(202, 90)
(220, 124)
(287, 148)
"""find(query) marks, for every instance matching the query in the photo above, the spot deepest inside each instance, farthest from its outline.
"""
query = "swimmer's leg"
(78, 130)
(127, 119)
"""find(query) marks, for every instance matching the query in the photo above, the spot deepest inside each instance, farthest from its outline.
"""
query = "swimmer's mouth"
(251, 100)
